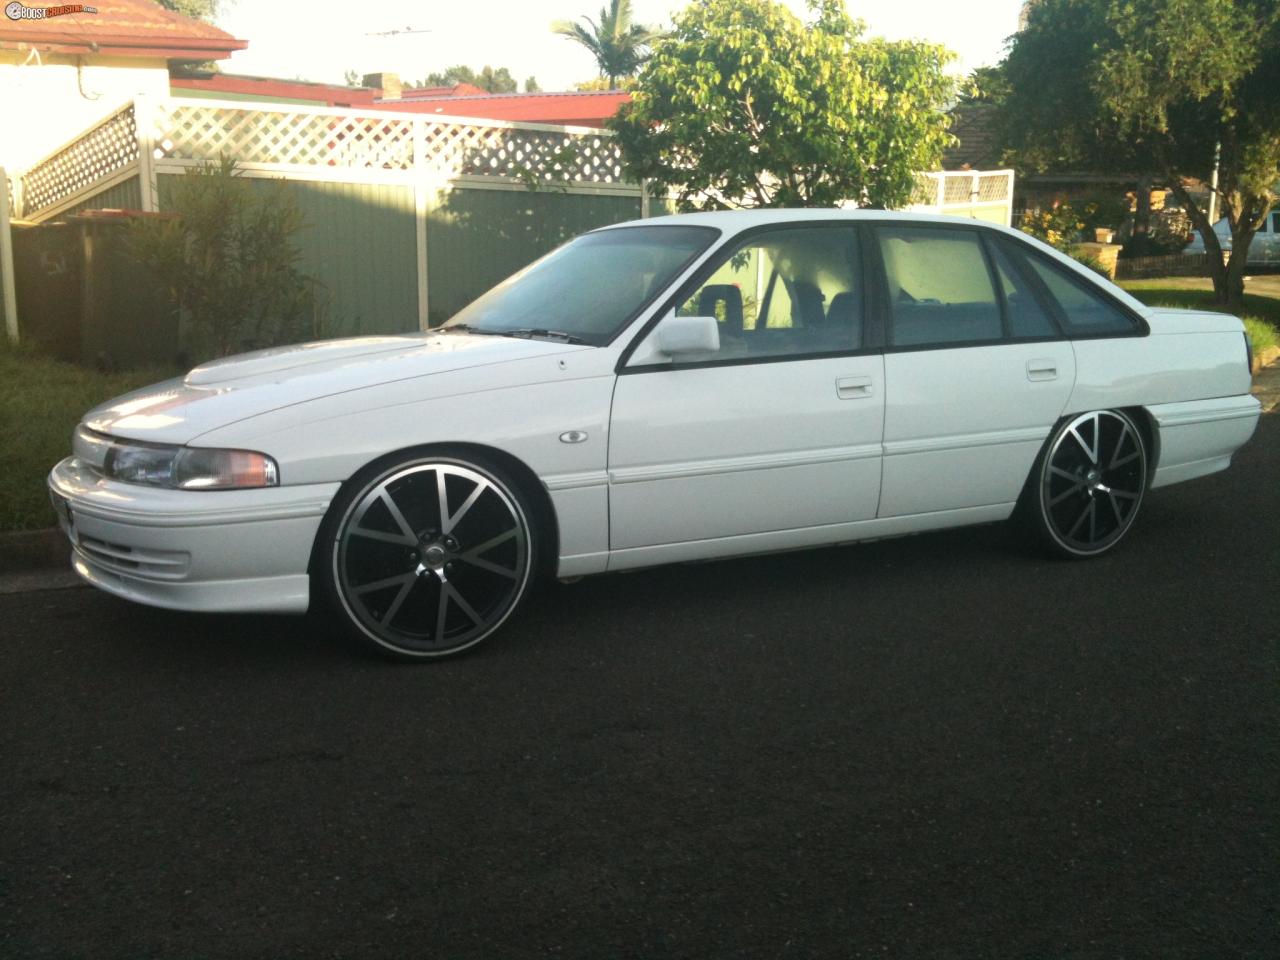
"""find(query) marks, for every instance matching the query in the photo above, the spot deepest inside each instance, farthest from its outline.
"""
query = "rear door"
(976, 370)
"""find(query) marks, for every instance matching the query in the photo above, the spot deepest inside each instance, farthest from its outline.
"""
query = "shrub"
(1092, 262)
(1058, 225)
(228, 258)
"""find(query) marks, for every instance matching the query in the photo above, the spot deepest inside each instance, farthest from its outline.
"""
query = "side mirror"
(679, 335)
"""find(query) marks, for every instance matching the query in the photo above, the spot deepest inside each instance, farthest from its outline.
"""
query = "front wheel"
(1089, 483)
(429, 555)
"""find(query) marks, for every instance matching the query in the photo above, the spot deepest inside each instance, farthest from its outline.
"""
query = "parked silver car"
(1263, 250)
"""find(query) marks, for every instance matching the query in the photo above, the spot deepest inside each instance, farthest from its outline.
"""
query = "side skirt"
(806, 537)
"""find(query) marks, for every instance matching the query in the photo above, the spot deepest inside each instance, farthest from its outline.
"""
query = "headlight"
(182, 468)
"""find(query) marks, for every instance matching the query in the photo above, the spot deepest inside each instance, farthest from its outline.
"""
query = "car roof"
(735, 220)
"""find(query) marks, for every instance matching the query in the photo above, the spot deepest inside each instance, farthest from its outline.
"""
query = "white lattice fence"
(470, 149)
(302, 138)
(106, 148)
(960, 191)
(193, 131)
(307, 137)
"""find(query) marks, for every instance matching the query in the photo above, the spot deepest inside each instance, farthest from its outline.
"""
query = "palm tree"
(618, 45)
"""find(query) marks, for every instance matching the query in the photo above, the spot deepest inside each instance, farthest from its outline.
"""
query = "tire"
(1088, 484)
(428, 554)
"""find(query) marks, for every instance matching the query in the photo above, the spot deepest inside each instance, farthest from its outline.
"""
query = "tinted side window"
(939, 287)
(784, 293)
(1086, 312)
(1027, 318)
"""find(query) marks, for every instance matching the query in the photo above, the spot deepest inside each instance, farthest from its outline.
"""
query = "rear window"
(1028, 319)
(1085, 311)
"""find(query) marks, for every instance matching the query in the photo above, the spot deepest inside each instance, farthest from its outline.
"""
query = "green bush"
(1092, 262)
(41, 401)
(228, 258)
(1059, 225)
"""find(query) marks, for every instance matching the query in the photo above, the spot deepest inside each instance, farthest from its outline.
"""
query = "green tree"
(619, 46)
(746, 105)
(487, 78)
(985, 85)
(200, 9)
(1153, 86)
(602, 84)
(228, 258)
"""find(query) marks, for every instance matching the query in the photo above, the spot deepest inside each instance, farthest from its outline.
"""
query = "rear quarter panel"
(1189, 374)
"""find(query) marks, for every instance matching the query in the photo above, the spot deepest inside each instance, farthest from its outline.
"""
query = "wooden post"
(144, 120)
(7, 289)
(420, 198)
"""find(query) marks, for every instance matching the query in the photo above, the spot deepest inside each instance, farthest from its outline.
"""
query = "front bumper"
(230, 551)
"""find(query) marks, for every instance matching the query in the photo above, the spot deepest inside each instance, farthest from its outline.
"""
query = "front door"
(780, 428)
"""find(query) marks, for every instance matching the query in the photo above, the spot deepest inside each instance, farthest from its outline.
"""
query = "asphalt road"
(935, 747)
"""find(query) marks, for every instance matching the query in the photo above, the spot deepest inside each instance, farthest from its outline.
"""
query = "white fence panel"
(322, 143)
(960, 192)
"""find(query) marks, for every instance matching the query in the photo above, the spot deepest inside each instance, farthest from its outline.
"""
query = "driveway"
(938, 747)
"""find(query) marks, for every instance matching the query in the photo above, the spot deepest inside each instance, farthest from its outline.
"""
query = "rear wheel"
(1089, 483)
(429, 555)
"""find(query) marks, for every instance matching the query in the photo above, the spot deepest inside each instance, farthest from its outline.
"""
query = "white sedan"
(667, 390)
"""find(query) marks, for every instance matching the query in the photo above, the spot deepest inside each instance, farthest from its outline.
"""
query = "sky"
(322, 39)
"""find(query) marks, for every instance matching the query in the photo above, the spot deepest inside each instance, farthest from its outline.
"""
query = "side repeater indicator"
(573, 436)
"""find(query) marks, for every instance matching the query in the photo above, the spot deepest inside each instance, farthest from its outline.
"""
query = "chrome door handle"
(851, 388)
(1042, 369)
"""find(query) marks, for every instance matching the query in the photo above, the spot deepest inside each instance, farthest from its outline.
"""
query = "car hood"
(223, 392)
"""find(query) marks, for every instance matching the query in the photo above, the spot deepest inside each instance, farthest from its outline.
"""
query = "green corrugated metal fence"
(476, 237)
(126, 195)
(360, 243)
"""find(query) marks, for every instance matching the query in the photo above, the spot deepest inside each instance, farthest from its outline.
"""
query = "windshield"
(589, 289)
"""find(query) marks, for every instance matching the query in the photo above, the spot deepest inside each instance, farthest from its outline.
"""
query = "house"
(61, 74)
(980, 146)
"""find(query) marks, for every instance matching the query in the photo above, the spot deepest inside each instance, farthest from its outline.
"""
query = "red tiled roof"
(233, 85)
(137, 28)
(585, 109)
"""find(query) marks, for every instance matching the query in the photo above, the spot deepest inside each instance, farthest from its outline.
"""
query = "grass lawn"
(41, 401)
(1261, 301)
